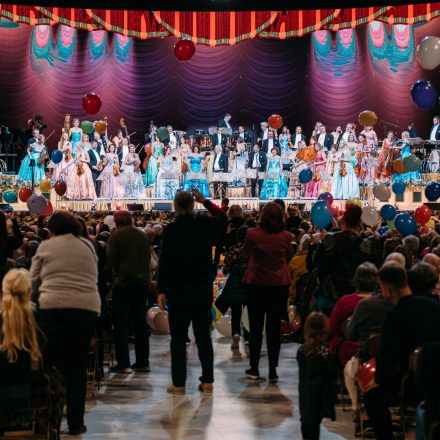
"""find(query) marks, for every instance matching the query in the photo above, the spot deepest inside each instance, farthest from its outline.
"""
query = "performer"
(117, 140)
(386, 156)
(316, 130)
(352, 143)
(33, 162)
(284, 139)
(270, 142)
(365, 167)
(264, 133)
(122, 151)
(349, 129)
(405, 152)
(75, 134)
(412, 131)
(239, 164)
(102, 143)
(331, 160)
(195, 177)
(151, 135)
(111, 184)
(435, 129)
(60, 170)
(288, 156)
(345, 184)
(317, 167)
(298, 137)
(219, 139)
(275, 184)
(224, 123)
(172, 138)
(34, 138)
(86, 142)
(131, 176)
(219, 168)
(324, 138)
(370, 136)
(95, 164)
(256, 169)
(80, 181)
(184, 147)
(153, 164)
(168, 176)
(245, 136)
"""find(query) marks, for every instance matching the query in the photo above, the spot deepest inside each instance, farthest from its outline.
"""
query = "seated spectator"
(412, 322)
(19, 349)
(432, 259)
(297, 265)
(423, 279)
(293, 218)
(29, 251)
(365, 280)
(396, 257)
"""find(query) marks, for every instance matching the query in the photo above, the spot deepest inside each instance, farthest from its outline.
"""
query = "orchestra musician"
(219, 139)
(257, 164)
(224, 123)
(245, 136)
(412, 131)
(264, 133)
(172, 139)
(324, 138)
(95, 164)
(386, 157)
(298, 137)
(101, 143)
(435, 129)
(270, 142)
(219, 165)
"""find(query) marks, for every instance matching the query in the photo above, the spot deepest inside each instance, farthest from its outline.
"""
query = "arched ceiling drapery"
(219, 28)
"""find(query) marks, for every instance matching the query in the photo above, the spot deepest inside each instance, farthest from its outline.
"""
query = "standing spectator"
(411, 323)
(9, 240)
(268, 248)
(185, 281)
(64, 280)
(128, 255)
(317, 374)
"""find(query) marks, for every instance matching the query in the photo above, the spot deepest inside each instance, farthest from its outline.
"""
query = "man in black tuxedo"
(93, 164)
(270, 142)
(324, 138)
(102, 143)
(245, 136)
(33, 139)
(258, 162)
(298, 136)
(412, 131)
(224, 123)
(219, 139)
(435, 129)
(219, 165)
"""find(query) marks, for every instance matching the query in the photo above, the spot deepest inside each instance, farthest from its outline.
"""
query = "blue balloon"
(10, 197)
(322, 214)
(432, 191)
(388, 212)
(398, 187)
(7, 208)
(56, 156)
(327, 197)
(305, 176)
(424, 94)
(406, 224)
(382, 230)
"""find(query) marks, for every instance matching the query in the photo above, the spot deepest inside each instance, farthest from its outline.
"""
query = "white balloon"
(428, 52)
(370, 216)
(382, 192)
(161, 324)
(110, 222)
(223, 325)
(151, 314)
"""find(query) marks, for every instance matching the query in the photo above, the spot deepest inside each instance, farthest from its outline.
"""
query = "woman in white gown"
(131, 175)
(167, 183)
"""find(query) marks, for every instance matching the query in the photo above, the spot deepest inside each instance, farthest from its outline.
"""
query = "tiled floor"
(136, 406)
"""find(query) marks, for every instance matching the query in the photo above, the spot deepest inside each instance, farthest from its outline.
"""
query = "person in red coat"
(268, 248)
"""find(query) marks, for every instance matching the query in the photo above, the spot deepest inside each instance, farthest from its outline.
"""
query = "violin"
(100, 165)
(343, 169)
(80, 169)
(116, 170)
(43, 157)
(68, 155)
(137, 166)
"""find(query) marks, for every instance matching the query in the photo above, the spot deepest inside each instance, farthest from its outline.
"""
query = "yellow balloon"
(430, 224)
(45, 186)
(356, 202)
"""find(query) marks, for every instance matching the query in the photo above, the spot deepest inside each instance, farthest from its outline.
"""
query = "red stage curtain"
(219, 28)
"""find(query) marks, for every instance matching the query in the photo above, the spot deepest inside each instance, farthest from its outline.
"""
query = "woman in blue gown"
(345, 184)
(75, 135)
(34, 152)
(150, 176)
(195, 177)
(275, 184)
(284, 139)
(405, 152)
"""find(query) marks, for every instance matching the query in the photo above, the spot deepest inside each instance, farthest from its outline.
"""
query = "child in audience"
(317, 374)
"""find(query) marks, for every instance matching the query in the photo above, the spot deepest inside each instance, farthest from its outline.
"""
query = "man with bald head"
(432, 259)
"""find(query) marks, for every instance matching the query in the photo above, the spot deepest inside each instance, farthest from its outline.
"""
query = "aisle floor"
(136, 406)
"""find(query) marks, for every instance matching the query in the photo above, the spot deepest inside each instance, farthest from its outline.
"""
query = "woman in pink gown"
(61, 170)
(110, 177)
(80, 181)
(319, 164)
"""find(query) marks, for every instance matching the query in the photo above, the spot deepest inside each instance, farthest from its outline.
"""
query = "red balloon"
(91, 103)
(366, 375)
(285, 328)
(48, 211)
(24, 194)
(60, 187)
(295, 325)
(184, 50)
(275, 121)
(422, 214)
(424, 230)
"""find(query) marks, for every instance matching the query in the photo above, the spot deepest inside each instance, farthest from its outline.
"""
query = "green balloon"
(10, 197)
(162, 133)
(87, 126)
(412, 163)
(391, 224)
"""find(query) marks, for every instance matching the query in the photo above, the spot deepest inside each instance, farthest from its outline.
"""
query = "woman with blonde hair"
(19, 348)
